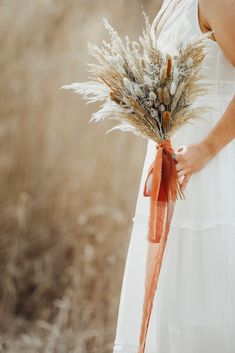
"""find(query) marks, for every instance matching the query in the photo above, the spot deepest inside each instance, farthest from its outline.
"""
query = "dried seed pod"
(173, 88)
(165, 120)
(138, 91)
(126, 101)
(163, 78)
(121, 70)
(148, 80)
(142, 64)
(168, 67)
(128, 85)
(148, 104)
(153, 113)
(166, 96)
(156, 104)
(162, 108)
(176, 75)
(156, 81)
(160, 94)
(163, 74)
(152, 96)
(114, 97)
(177, 95)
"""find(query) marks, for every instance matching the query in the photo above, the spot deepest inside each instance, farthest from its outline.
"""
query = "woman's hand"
(190, 159)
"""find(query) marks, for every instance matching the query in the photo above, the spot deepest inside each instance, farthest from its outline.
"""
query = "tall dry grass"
(68, 191)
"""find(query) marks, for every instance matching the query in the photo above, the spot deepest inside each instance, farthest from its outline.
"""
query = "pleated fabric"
(194, 305)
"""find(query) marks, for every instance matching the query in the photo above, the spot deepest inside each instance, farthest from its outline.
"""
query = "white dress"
(194, 305)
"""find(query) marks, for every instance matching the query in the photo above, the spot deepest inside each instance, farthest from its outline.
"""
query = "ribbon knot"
(165, 144)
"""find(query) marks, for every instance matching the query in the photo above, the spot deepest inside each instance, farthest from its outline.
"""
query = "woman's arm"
(195, 156)
(223, 132)
(218, 16)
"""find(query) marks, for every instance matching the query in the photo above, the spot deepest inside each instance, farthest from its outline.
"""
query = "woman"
(194, 306)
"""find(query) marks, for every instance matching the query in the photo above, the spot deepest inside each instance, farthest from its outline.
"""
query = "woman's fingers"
(180, 173)
(179, 166)
(184, 182)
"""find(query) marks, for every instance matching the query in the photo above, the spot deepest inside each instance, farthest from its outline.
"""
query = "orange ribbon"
(162, 186)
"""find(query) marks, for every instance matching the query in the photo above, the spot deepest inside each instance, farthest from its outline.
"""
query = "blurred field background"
(68, 191)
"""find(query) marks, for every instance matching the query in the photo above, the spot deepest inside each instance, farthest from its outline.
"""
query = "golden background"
(68, 191)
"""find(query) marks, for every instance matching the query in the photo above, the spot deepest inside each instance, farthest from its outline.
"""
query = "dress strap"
(161, 13)
(157, 18)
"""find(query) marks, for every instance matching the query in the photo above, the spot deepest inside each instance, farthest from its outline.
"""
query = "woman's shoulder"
(219, 16)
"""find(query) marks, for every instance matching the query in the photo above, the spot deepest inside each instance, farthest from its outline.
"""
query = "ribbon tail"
(153, 265)
(155, 173)
(160, 216)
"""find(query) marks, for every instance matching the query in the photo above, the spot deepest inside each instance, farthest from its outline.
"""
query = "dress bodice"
(181, 27)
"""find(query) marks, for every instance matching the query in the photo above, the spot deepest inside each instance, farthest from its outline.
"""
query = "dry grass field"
(68, 191)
